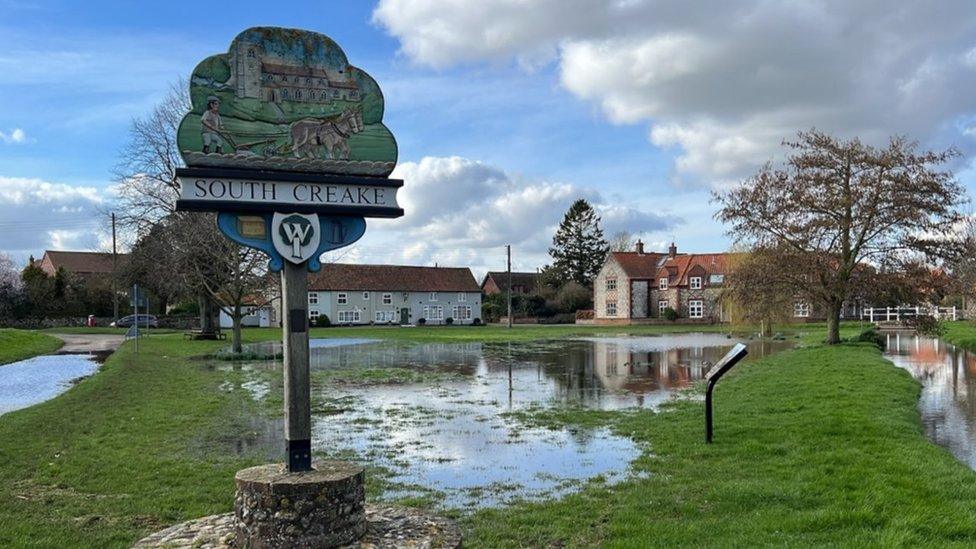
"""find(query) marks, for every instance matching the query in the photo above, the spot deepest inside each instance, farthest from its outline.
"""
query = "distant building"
(82, 264)
(496, 282)
(637, 285)
(260, 75)
(393, 294)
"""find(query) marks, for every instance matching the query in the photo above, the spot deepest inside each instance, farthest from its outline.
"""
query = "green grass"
(961, 333)
(20, 344)
(818, 446)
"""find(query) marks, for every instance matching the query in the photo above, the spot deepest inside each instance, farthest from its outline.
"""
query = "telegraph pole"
(508, 252)
(115, 275)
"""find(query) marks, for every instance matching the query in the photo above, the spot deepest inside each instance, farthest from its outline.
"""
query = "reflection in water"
(948, 400)
(451, 434)
(41, 378)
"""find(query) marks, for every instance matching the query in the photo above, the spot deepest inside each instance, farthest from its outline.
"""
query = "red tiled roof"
(684, 263)
(79, 262)
(637, 265)
(518, 279)
(394, 278)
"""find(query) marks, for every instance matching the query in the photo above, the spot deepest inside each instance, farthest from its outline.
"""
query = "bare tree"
(190, 248)
(622, 241)
(838, 205)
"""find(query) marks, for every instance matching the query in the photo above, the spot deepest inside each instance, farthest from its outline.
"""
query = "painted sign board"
(286, 99)
(245, 191)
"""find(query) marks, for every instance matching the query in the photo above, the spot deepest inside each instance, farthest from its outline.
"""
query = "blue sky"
(640, 106)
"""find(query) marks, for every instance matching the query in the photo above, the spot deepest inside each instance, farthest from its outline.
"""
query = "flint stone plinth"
(322, 508)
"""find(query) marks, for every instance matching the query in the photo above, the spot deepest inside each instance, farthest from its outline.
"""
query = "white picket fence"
(897, 314)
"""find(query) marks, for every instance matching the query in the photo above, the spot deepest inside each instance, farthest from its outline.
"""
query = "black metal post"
(728, 361)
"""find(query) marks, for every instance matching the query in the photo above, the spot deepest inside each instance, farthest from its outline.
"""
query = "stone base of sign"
(323, 507)
(386, 528)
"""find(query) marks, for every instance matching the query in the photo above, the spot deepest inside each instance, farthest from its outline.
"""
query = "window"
(695, 283)
(716, 279)
(695, 309)
(661, 306)
(611, 284)
(313, 298)
(313, 314)
(662, 284)
(342, 298)
(462, 297)
(365, 296)
(801, 310)
(433, 296)
(387, 299)
(612, 308)
(462, 312)
(433, 312)
(349, 316)
(385, 316)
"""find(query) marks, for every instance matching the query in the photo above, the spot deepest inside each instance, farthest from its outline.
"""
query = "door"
(404, 316)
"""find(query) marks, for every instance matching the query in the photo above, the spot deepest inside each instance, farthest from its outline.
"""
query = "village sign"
(286, 142)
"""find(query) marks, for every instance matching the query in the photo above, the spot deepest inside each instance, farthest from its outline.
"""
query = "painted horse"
(308, 135)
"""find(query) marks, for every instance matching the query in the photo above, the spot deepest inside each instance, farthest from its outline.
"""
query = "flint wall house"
(260, 76)
(394, 294)
(639, 286)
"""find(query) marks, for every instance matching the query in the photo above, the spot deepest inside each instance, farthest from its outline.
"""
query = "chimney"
(639, 247)
(672, 250)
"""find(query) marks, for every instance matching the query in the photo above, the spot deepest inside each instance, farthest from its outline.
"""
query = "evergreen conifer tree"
(578, 247)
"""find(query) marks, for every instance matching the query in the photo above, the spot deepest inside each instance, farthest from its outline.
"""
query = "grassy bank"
(816, 446)
(961, 333)
(20, 344)
(819, 446)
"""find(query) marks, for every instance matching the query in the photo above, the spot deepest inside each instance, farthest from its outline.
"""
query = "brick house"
(496, 282)
(639, 286)
(82, 264)
(393, 294)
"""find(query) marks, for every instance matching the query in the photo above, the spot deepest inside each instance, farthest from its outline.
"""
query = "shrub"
(476, 322)
(670, 314)
(323, 321)
(449, 321)
(421, 321)
(926, 325)
(870, 335)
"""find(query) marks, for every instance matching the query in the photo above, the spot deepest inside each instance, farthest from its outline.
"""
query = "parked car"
(145, 321)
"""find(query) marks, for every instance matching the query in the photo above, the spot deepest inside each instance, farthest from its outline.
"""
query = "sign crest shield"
(295, 236)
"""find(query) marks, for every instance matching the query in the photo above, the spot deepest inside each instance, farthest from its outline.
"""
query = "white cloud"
(724, 82)
(463, 212)
(15, 135)
(37, 215)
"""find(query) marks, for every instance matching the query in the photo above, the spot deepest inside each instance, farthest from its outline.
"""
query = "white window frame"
(611, 284)
(662, 304)
(350, 316)
(433, 296)
(384, 317)
(696, 304)
(430, 310)
(462, 312)
(313, 298)
(611, 307)
(462, 297)
(695, 283)
(342, 298)
(387, 299)
(365, 296)
(662, 283)
(313, 314)
(801, 309)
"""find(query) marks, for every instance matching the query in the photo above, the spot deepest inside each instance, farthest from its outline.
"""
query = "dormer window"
(695, 283)
(611, 284)
(662, 284)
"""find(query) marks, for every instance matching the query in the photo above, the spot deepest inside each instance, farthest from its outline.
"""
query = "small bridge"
(899, 314)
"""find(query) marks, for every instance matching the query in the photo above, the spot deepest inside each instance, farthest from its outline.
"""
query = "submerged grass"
(22, 344)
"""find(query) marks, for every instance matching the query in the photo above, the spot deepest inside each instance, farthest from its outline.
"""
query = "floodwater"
(41, 378)
(443, 418)
(948, 400)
